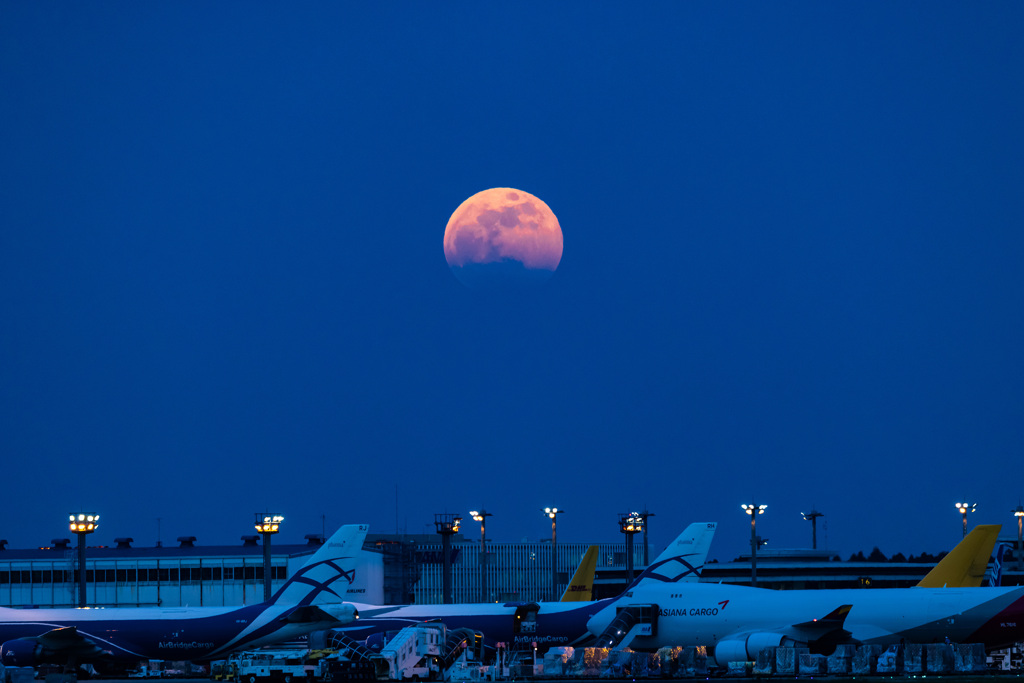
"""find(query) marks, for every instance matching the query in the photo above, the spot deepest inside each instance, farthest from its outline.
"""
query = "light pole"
(267, 525)
(481, 516)
(753, 510)
(644, 515)
(447, 525)
(630, 523)
(83, 524)
(553, 514)
(964, 508)
(1018, 512)
(812, 517)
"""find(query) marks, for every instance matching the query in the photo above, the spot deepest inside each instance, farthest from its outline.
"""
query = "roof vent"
(124, 542)
(250, 540)
(186, 541)
(314, 539)
(60, 543)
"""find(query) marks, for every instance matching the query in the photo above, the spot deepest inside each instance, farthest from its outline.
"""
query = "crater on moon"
(503, 237)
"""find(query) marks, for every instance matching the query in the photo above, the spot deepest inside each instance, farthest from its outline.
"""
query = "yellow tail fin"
(965, 565)
(581, 588)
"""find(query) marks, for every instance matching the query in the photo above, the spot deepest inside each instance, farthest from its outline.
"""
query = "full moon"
(503, 237)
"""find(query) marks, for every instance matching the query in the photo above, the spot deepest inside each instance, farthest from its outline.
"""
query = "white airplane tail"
(336, 559)
(683, 559)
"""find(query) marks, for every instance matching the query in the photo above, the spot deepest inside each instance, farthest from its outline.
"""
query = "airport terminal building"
(169, 576)
(397, 569)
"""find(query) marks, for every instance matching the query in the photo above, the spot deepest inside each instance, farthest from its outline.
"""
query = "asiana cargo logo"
(693, 611)
(194, 645)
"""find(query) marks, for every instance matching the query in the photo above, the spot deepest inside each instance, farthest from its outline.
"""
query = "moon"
(503, 238)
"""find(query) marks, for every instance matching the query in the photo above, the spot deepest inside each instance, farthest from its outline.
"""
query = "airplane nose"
(599, 622)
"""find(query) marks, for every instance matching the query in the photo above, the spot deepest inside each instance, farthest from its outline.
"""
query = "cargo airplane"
(738, 621)
(520, 625)
(306, 602)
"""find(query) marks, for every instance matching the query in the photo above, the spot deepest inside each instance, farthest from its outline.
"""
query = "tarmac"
(996, 677)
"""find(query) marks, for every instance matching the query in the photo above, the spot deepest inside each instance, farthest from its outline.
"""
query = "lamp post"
(753, 510)
(481, 516)
(812, 517)
(647, 558)
(964, 508)
(553, 514)
(267, 525)
(83, 524)
(447, 525)
(1018, 512)
(630, 523)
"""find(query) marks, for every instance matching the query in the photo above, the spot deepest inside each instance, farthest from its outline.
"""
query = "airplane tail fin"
(683, 559)
(581, 588)
(965, 565)
(336, 559)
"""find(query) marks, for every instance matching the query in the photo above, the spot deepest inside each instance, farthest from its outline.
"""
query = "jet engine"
(345, 613)
(744, 648)
(21, 652)
(377, 641)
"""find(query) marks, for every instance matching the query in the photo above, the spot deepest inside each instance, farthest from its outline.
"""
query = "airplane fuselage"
(131, 634)
(706, 614)
(553, 624)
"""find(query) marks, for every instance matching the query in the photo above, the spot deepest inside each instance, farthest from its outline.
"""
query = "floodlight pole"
(82, 524)
(447, 525)
(267, 525)
(812, 517)
(647, 558)
(964, 508)
(81, 570)
(629, 524)
(481, 516)
(753, 549)
(267, 560)
(553, 514)
(1018, 512)
(753, 510)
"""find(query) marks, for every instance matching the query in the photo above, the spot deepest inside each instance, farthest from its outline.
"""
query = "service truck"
(412, 654)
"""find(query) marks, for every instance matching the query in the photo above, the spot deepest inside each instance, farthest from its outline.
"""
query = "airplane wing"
(867, 632)
(820, 632)
(336, 615)
(814, 629)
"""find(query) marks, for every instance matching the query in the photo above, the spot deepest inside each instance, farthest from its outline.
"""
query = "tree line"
(877, 555)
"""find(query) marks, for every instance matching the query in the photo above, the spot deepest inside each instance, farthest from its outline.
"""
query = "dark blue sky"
(792, 267)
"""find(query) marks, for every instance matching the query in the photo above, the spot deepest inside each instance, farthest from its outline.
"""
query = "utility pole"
(812, 517)
(753, 510)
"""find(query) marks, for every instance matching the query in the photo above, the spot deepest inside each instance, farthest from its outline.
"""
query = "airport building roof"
(185, 546)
